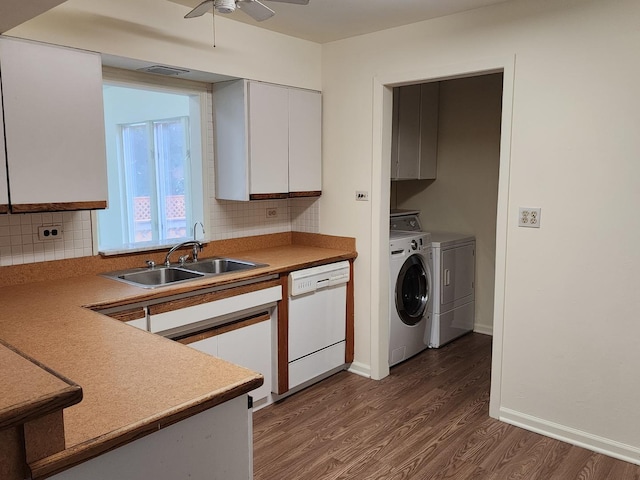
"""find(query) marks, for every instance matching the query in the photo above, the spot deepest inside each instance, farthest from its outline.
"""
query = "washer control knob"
(414, 245)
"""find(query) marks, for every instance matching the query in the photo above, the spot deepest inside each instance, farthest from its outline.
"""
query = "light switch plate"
(529, 217)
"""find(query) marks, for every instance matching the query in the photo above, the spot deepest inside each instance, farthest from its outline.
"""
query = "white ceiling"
(324, 21)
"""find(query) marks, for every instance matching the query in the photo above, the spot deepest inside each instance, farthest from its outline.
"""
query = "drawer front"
(316, 364)
(219, 309)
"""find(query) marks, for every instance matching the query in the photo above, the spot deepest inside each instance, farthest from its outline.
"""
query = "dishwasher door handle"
(322, 283)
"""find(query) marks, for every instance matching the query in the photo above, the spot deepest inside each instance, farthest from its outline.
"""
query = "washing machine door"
(412, 290)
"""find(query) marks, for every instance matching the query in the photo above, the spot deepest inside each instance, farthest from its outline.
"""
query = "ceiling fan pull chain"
(213, 24)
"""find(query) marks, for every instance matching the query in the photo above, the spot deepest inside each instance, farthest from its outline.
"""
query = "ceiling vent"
(163, 70)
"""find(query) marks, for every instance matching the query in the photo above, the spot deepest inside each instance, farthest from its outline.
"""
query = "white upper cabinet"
(267, 140)
(54, 127)
(4, 187)
(305, 143)
(268, 107)
(414, 141)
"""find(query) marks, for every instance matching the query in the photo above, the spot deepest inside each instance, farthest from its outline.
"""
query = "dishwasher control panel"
(312, 279)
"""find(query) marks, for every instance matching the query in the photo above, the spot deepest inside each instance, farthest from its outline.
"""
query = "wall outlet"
(529, 217)
(272, 213)
(50, 232)
(362, 196)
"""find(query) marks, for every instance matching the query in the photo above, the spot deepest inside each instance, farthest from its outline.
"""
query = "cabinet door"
(54, 124)
(208, 345)
(268, 140)
(429, 104)
(305, 142)
(4, 187)
(250, 347)
(406, 132)
(414, 141)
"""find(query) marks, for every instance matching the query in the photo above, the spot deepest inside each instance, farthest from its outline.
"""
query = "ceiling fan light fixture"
(225, 6)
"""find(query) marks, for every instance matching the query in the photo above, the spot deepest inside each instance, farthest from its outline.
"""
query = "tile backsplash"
(19, 241)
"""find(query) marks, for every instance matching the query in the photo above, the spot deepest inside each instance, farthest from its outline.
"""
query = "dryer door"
(412, 290)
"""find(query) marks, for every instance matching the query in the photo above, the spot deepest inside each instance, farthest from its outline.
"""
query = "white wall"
(464, 195)
(570, 354)
(155, 31)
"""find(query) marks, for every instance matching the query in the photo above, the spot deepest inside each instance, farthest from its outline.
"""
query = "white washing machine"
(452, 261)
(410, 288)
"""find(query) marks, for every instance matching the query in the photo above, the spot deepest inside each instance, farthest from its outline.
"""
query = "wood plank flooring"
(428, 420)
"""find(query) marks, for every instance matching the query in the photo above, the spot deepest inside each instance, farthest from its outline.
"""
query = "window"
(154, 165)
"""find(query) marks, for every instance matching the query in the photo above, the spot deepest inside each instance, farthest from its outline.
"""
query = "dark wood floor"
(428, 420)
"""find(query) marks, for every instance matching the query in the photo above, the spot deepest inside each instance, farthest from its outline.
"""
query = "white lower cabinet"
(140, 323)
(236, 328)
(248, 346)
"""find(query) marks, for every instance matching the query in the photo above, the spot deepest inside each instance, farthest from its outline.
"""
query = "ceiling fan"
(254, 8)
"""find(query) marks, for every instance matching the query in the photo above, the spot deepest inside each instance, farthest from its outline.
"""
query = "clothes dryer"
(452, 261)
(410, 289)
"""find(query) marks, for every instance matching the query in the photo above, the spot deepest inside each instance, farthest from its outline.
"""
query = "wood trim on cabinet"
(179, 303)
(312, 193)
(220, 329)
(283, 337)
(268, 196)
(129, 315)
(58, 207)
(4, 208)
(350, 334)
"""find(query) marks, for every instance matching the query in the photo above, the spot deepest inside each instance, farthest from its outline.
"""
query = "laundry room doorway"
(463, 196)
(470, 191)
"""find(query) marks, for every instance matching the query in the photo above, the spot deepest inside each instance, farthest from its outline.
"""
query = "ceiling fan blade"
(298, 2)
(258, 11)
(200, 10)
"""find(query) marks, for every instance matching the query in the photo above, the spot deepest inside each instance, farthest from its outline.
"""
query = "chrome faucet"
(195, 225)
(197, 248)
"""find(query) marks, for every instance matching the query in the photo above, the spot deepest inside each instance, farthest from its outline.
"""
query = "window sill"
(147, 247)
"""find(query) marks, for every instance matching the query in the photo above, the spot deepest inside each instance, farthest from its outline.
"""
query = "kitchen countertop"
(134, 382)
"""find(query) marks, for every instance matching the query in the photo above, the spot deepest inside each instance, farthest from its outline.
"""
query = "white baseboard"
(483, 329)
(360, 369)
(570, 435)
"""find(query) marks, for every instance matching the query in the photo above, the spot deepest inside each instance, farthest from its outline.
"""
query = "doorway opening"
(445, 200)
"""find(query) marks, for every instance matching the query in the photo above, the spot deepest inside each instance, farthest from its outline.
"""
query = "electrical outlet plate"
(272, 213)
(529, 217)
(362, 196)
(50, 232)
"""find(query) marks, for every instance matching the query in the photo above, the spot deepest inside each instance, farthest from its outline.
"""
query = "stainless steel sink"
(159, 276)
(154, 277)
(220, 265)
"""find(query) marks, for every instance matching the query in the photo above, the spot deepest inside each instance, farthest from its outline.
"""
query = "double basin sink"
(158, 276)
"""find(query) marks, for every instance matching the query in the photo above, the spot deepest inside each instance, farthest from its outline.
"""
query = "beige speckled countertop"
(134, 382)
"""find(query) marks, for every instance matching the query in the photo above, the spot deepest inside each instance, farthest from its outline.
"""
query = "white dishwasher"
(317, 321)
